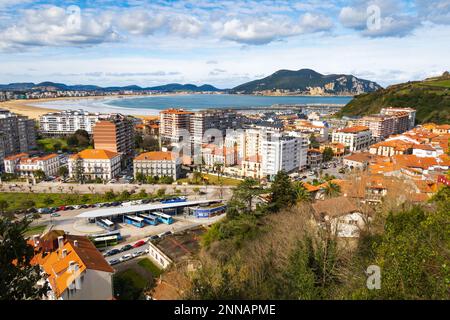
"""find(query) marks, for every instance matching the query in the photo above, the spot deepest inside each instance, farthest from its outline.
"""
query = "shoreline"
(34, 108)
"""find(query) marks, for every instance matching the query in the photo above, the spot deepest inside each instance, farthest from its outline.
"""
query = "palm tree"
(302, 194)
(332, 190)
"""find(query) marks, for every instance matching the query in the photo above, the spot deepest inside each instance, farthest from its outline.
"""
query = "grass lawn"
(17, 200)
(48, 143)
(137, 280)
(214, 180)
(35, 230)
(150, 266)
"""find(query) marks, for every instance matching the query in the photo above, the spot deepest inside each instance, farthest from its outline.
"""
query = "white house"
(94, 163)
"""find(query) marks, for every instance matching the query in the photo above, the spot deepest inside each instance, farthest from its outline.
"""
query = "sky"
(223, 43)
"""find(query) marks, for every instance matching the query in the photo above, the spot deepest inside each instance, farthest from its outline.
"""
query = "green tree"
(327, 154)
(142, 193)
(283, 192)
(3, 206)
(110, 195)
(140, 177)
(48, 201)
(18, 278)
(26, 204)
(161, 192)
(63, 171)
(242, 199)
(150, 143)
(302, 194)
(313, 142)
(332, 190)
(125, 195)
(39, 174)
(166, 180)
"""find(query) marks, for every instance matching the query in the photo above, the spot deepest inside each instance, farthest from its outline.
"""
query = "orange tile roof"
(412, 161)
(35, 159)
(95, 154)
(156, 156)
(17, 156)
(354, 129)
(56, 266)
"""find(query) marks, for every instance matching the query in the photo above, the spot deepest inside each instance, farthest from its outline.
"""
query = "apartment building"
(68, 122)
(157, 164)
(390, 148)
(355, 138)
(213, 155)
(75, 269)
(91, 164)
(116, 134)
(24, 165)
(214, 122)
(409, 111)
(281, 152)
(380, 126)
(174, 125)
(315, 158)
(17, 134)
(316, 127)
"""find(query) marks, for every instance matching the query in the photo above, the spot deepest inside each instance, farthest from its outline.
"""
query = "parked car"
(113, 262)
(164, 234)
(55, 215)
(111, 252)
(62, 208)
(139, 243)
(138, 253)
(126, 248)
(152, 238)
(126, 257)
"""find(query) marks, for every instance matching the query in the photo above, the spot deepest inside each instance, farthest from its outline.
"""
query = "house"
(340, 216)
(25, 165)
(158, 164)
(359, 160)
(94, 164)
(76, 270)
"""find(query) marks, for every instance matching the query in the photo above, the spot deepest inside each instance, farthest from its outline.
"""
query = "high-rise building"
(381, 126)
(174, 125)
(115, 134)
(17, 134)
(411, 114)
(214, 122)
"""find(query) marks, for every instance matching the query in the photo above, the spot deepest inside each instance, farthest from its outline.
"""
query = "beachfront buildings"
(174, 125)
(17, 134)
(115, 134)
(68, 122)
(75, 269)
(91, 164)
(355, 138)
(24, 165)
(157, 164)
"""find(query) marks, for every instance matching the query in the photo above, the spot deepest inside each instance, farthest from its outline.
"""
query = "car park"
(111, 252)
(126, 257)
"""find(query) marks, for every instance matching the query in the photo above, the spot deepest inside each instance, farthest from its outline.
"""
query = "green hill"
(430, 97)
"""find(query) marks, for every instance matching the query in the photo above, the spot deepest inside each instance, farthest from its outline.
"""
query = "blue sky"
(224, 43)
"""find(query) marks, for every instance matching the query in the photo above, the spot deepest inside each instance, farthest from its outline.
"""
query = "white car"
(126, 257)
(138, 253)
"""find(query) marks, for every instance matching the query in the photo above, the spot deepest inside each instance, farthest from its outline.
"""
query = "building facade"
(17, 134)
(68, 122)
(91, 164)
(24, 165)
(174, 125)
(410, 112)
(157, 164)
(354, 138)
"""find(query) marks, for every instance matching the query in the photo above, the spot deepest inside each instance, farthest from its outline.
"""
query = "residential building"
(380, 126)
(17, 134)
(359, 160)
(157, 164)
(91, 164)
(315, 158)
(251, 167)
(213, 155)
(116, 134)
(354, 138)
(68, 122)
(214, 123)
(25, 165)
(393, 111)
(389, 148)
(75, 269)
(281, 152)
(175, 125)
(338, 148)
(317, 128)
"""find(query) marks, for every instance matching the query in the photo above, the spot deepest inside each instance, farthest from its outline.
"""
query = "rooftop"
(156, 156)
(95, 154)
(354, 129)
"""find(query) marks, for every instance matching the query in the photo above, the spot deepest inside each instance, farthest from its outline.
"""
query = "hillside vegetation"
(431, 99)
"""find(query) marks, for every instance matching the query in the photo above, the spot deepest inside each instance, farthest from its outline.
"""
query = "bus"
(135, 221)
(106, 224)
(174, 200)
(162, 217)
(105, 241)
(149, 219)
(115, 233)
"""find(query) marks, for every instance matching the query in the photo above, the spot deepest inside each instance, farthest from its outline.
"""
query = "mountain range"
(307, 81)
(304, 81)
(430, 98)
(63, 87)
